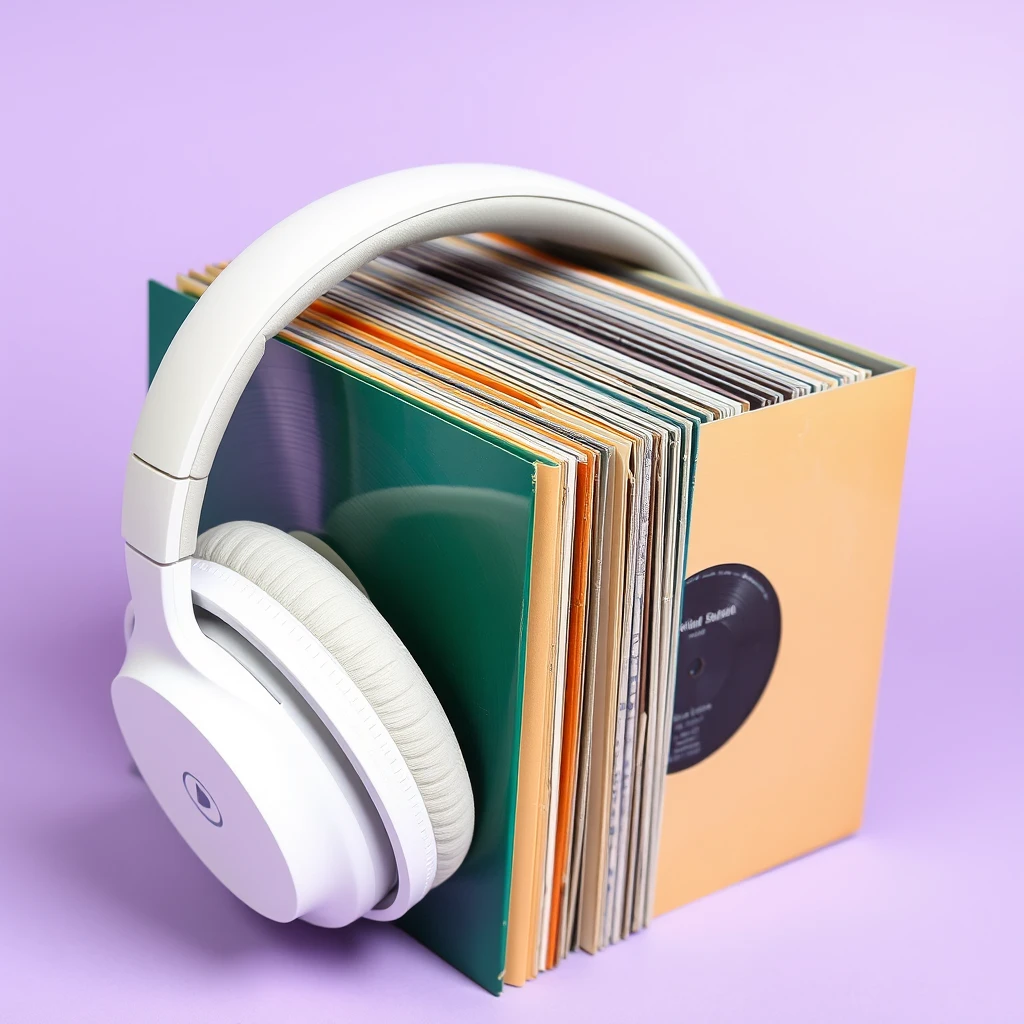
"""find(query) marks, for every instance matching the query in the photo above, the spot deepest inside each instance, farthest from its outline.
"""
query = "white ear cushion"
(322, 548)
(343, 619)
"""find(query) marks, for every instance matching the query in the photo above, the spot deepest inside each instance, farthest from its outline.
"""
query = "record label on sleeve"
(728, 641)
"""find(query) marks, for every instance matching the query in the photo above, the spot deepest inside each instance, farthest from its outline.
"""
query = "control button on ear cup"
(348, 626)
(129, 622)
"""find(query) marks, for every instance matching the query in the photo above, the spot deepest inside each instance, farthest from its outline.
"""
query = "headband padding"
(342, 618)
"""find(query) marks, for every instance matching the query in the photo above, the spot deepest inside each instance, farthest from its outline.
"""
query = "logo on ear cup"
(200, 796)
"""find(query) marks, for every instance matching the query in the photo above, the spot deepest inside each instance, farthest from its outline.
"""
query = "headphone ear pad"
(344, 620)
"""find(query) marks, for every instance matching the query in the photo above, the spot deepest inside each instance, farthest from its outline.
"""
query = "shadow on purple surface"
(126, 855)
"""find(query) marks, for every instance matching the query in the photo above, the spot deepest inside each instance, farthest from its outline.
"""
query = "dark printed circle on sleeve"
(728, 640)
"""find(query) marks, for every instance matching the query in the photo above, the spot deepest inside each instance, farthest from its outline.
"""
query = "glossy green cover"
(436, 519)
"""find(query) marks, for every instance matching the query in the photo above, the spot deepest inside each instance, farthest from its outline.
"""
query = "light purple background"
(855, 170)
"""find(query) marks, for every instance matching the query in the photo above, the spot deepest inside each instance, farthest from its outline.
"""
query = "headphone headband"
(220, 343)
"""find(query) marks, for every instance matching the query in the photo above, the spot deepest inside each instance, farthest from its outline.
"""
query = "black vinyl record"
(728, 641)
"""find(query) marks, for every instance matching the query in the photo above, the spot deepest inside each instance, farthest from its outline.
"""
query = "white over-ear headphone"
(277, 718)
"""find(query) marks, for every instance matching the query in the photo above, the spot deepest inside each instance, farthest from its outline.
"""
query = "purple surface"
(858, 172)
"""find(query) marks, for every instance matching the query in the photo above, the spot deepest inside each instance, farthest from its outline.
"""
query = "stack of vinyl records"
(502, 443)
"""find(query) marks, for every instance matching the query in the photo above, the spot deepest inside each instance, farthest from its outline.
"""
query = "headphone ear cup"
(322, 548)
(343, 619)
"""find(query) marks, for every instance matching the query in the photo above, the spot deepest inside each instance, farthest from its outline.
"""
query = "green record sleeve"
(436, 519)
